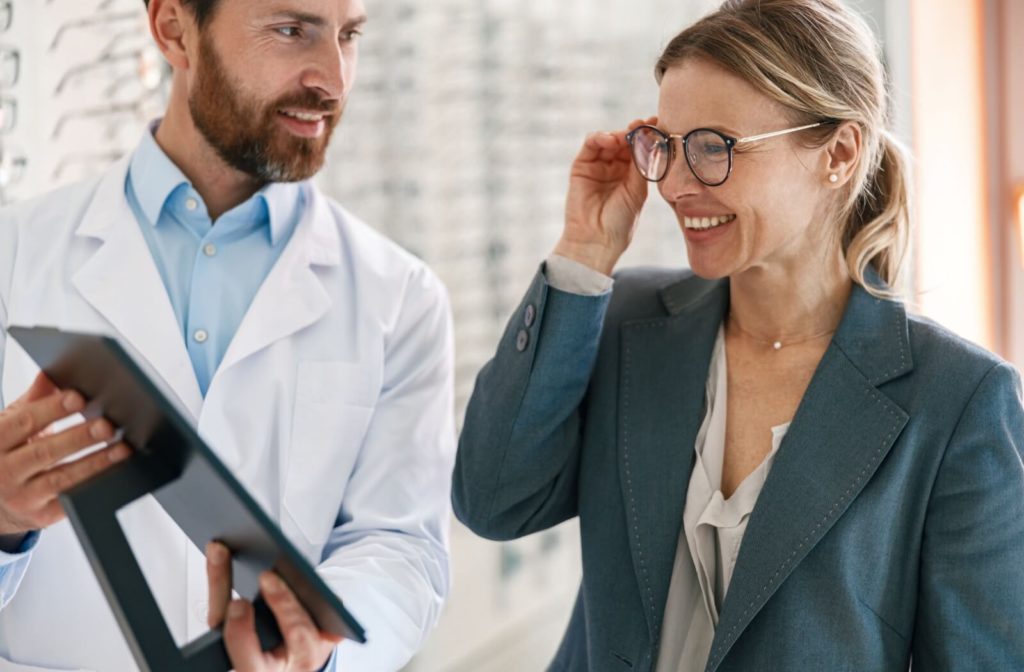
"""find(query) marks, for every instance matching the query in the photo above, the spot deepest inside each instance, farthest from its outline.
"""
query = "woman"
(774, 466)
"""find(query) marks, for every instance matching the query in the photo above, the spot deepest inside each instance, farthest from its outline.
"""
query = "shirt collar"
(153, 175)
(155, 178)
(283, 201)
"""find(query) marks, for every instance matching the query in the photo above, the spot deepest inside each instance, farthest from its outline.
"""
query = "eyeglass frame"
(14, 56)
(7, 14)
(730, 143)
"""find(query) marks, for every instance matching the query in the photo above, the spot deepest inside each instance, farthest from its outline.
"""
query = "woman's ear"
(170, 24)
(843, 153)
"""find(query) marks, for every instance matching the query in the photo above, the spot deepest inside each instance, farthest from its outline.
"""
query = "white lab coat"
(333, 406)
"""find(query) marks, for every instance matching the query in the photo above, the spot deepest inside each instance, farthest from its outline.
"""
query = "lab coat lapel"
(121, 281)
(292, 297)
(664, 370)
(842, 430)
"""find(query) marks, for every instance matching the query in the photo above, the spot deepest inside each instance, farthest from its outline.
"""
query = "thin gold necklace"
(777, 344)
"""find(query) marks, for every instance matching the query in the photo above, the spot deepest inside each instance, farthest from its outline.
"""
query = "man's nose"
(328, 72)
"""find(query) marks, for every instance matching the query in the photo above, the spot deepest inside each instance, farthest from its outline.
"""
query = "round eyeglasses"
(708, 152)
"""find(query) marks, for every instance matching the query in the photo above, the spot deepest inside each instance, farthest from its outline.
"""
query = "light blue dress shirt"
(212, 270)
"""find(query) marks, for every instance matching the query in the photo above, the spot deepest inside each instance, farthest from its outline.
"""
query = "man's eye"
(350, 35)
(289, 31)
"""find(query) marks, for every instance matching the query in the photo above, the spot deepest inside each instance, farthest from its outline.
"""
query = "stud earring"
(833, 178)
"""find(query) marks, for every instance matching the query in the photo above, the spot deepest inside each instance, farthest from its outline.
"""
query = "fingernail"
(119, 452)
(217, 553)
(101, 430)
(236, 609)
(271, 584)
(73, 402)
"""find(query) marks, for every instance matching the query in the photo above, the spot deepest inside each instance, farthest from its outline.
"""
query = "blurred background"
(457, 143)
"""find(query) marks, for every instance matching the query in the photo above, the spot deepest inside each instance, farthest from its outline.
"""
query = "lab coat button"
(522, 340)
(200, 609)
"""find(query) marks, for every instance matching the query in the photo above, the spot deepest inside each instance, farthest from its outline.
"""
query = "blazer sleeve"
(518, 457)
(970, 612)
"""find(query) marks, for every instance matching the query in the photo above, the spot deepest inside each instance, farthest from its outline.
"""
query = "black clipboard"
(172, 463)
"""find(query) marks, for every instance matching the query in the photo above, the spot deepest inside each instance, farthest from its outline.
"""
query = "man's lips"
(309, 126)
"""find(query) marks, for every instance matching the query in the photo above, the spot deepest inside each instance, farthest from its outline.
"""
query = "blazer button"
(530, 316)
(522, 340)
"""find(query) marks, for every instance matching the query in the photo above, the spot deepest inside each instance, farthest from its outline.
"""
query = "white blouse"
(709, 541)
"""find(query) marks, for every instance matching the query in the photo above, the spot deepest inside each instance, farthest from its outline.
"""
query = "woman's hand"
(606, 194)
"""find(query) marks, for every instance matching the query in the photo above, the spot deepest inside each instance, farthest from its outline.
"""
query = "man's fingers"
(19, 424)
(301, 636)
(43, 453)
(49, 484)
(41, 387)
(218, 579)
(240, 637)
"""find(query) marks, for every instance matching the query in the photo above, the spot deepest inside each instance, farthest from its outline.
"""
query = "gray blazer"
(891, 526)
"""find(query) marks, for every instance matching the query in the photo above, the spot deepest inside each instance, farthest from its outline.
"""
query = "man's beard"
(246, 134)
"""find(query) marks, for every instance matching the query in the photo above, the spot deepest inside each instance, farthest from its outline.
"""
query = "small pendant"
(777, 345)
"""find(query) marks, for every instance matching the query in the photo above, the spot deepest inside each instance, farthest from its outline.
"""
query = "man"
(314, 355)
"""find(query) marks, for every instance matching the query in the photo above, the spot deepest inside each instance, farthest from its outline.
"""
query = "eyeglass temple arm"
(765, 136)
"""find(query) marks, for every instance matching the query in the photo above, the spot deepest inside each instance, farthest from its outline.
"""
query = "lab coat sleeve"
(387, 557)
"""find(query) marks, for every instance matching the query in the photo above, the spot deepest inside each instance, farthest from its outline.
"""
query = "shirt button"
(522, 340)
(530, 317)
(201, 336)
(191, 204)
(210, 250)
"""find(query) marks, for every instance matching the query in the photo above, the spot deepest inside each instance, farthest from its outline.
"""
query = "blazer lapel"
(842, 431)
(121, 281)
(664, 365)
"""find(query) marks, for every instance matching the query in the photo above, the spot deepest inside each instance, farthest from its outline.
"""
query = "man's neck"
(221, 186)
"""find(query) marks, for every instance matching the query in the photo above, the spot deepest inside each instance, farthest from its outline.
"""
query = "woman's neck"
(773, 303)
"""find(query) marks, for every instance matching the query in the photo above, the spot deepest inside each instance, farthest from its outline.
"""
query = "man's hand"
(31, 476)
(305, 648)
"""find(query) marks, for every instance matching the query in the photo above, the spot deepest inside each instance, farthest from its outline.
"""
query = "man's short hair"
(203, 9)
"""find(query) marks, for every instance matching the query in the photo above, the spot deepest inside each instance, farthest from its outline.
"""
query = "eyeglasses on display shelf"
(102, 22)
(10, 67)
(118, 69)
(82, 164)
(108, 118)
(13, 165)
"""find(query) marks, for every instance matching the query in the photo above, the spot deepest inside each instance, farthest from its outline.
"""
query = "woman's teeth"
(706, 222)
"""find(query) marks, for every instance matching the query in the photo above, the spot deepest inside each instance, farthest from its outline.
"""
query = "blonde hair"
(821, 61)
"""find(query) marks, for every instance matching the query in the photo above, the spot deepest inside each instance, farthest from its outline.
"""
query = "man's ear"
(172, 27)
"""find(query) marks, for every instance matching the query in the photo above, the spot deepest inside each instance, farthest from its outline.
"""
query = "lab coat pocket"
(334, 403)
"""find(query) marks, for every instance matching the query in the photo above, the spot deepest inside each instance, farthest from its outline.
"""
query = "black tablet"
(196, 489)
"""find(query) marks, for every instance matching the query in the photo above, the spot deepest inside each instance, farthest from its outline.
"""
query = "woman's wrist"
(593, 255)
